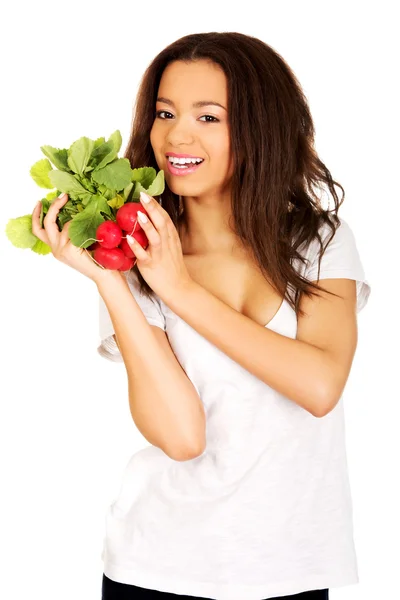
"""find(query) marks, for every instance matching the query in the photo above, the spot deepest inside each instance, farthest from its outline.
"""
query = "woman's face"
(200, 131)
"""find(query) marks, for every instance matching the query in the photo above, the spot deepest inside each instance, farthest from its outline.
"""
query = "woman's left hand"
(161, 264)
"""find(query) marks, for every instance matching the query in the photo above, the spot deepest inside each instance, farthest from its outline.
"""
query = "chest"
(238, 282)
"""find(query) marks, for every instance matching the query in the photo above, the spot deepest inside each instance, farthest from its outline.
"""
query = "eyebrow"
(198, 104)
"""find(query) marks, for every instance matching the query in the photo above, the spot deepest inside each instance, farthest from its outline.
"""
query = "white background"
(72, 69)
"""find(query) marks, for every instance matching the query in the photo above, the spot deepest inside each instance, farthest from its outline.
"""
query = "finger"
(64, 235)
(152, 234)
(138, 249)
(49, 222)
(152, 204)
(37, 230)
(171, 229)
(157, 214)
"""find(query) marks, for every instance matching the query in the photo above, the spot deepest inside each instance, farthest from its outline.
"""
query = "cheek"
(153, 138)
(222, 154)
(156, 139)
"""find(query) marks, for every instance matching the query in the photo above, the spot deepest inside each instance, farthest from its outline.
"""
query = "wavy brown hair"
(278, 177)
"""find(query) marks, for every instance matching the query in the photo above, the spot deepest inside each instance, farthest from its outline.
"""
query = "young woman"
(236, 357)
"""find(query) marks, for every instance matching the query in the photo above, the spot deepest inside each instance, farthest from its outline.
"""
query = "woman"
(236, 358)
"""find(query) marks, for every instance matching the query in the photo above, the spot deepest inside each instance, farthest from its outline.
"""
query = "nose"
(179, 132)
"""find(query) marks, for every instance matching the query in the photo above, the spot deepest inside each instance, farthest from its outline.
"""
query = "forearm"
(163, 401)
(301, 372)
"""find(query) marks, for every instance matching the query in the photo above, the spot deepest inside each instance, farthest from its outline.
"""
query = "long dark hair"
(276, 168)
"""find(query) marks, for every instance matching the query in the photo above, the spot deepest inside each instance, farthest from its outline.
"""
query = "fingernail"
(142, 217)
(61, 196)
(130, 239)
(38, 204)
(145, 197)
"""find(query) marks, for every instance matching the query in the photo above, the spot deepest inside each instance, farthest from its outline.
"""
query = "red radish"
(126, 249)
(110, 258)
(109, 234)
(93, 247)
(141, 237)
(127, 216)
(127, 264)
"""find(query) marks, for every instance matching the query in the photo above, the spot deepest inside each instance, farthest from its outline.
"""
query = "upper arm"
(330, 323)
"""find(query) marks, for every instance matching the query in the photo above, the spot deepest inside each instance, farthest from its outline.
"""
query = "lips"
(182, 155)
(181, 171)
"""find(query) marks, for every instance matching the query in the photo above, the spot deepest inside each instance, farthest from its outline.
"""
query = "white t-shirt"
(266, 510)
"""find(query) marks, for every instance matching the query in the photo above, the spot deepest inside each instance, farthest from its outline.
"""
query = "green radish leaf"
(101, 156)
(99, 141)
(85, 198)
(79, 154)
(158, 185)
(115, 175)
(116, 202)
(116, 140)
(52, 195)
(70, 208)
(40, 173)
(68, 183)
(106, 152)
(102, 189)
(41, 248)
(136, 192)
(58, 157)
(87, 184)
(44, 210)
(19, 232)
(145, 175)
(63, 218)
(128, 190)
(109, 194)
(82, 230)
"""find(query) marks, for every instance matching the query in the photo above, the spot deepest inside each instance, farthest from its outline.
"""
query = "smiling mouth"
(183, 169)
(184, 166)
(188, 164)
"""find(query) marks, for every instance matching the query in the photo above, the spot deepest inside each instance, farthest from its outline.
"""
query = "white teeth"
(183, 161)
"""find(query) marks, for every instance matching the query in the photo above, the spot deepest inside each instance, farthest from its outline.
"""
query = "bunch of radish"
(111, 249)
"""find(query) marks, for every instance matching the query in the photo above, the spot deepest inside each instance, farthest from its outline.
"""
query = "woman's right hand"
(61, 246)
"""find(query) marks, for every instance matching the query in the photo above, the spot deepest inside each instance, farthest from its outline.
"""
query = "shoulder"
(335, 246)
(334, 256)
(328, 234)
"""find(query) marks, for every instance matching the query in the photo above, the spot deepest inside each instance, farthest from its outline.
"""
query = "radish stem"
(101, 266)
(88, 240)
(134, 227)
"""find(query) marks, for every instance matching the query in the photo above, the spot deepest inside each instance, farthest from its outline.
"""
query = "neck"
(206, 226)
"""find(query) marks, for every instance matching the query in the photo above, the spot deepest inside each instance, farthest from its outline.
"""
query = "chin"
(189, 190)
(177, 187)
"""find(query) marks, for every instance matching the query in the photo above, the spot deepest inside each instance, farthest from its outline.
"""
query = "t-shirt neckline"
(277, 313)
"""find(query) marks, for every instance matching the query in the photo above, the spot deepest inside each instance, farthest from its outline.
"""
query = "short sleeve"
(151, 309)
(341, 259)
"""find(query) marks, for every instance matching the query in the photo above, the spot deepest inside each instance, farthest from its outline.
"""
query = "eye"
(211, 117)
(158, 114)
